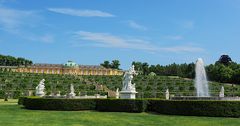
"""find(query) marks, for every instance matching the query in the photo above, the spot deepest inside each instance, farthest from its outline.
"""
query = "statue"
(128, 90)
(58, 93)
(221, 93)
(40, 88)
(72, 94)
(127, 80)
(167, 94)
(117, 93)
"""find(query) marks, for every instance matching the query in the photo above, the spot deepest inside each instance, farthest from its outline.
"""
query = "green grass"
(12, 114)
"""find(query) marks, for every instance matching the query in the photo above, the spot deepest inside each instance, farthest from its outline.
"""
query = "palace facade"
(69, 68)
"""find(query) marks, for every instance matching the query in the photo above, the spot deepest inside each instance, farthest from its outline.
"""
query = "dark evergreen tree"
(224, 59)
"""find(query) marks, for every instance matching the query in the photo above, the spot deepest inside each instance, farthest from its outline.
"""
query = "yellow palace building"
(68, 68)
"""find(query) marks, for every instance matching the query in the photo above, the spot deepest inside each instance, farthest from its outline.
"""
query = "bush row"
(189, 108)
(196, 108)
(119, 105)
(59, 104)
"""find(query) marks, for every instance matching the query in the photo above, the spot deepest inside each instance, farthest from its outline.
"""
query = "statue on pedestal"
(40, 88)
(167, 95)
(117, 93)
(128, 90)
(127, 80)
(72, 94)
(221, 93)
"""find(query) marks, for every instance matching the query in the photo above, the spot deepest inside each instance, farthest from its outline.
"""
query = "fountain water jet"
(201, 83)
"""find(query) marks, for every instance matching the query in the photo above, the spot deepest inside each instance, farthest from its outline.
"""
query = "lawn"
(12, 114)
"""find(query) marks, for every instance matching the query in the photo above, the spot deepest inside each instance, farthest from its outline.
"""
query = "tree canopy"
(225, 59)
(14, 61)
(114, 64)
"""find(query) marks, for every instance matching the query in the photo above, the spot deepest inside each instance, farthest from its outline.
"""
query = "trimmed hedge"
(110, 105)
(21, 100)
(121, 105)
(189, 108)
(196, 108)
(59, 104)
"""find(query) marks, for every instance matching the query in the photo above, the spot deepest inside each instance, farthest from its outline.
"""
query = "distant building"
(68, 68)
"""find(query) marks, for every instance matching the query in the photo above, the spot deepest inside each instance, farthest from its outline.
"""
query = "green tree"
(138, 67)
(225, 59)
(145, 68)
(115, 64)
(106, 64)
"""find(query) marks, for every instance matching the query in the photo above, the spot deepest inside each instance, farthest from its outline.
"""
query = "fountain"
(201, 83)
(201, 86)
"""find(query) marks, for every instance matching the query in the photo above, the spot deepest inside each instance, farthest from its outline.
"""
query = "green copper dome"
(71, 64)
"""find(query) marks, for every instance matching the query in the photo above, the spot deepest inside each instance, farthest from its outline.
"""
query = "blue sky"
(91, 31)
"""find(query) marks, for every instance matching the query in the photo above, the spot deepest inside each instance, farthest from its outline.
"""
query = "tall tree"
(224, 59)
(138, 67)
(115, 64)
(106, 64)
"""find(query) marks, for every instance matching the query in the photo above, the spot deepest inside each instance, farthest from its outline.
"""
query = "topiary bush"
(121, 105)
(196, 108)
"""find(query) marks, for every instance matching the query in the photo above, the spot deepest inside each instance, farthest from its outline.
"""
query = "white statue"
(58, 93)
(127, 80)
(40, 88)
(117, 93)
(221, 93)
(72, 94)
(167, 94)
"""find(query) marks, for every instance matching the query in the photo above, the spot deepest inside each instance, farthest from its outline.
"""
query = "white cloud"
(19, 22)
(46, 38)
(183, 49)
(135, 25)
(108, 40)
(111, 41)
(12, 19)
(174, 37)
(81, 13)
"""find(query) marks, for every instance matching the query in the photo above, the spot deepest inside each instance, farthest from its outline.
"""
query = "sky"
(91, 31)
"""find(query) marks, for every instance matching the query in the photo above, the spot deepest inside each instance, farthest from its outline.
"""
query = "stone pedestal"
(40, 94)
(221, 94)
(128, 94)
(71, 95)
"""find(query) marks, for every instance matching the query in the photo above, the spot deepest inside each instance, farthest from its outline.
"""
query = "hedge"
(196, 108)
(189, 108)
(121, 105)
(110, 105)
(59, 104)
(21, 100)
